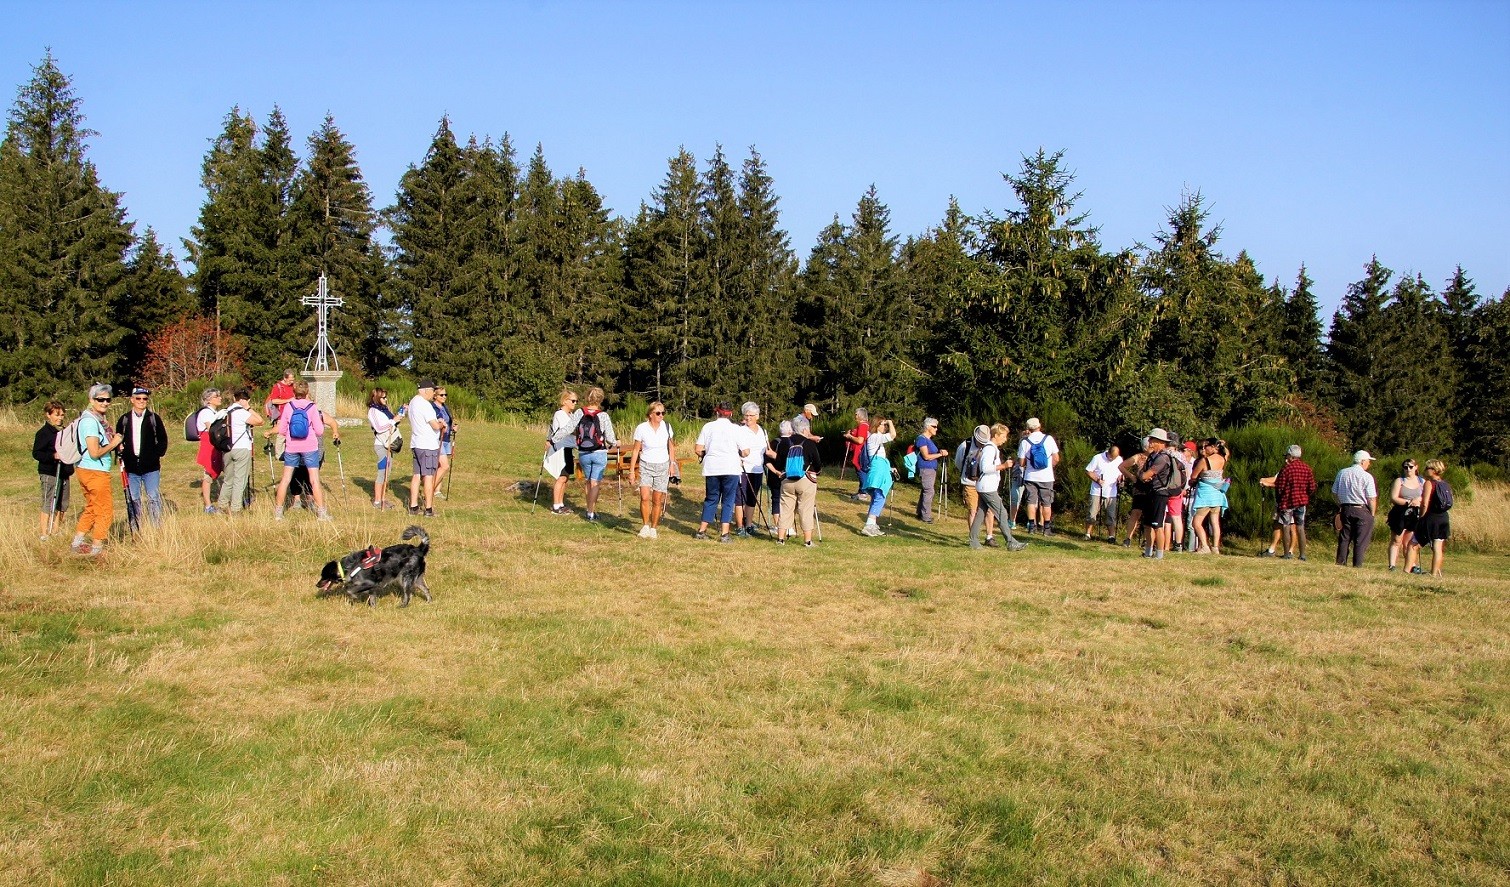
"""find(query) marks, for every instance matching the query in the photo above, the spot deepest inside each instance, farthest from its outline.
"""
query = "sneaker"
(209, 509)
(414, 509)
(1391, 568)
(725, 539)
(324, 515)
(645, 531)
(558, 509)
(780, 541)
(80, 548)
(1158, 554)
(42, 538)
(700, 536)
(990, 542)
(861, 497)
(1300, 557)
(1032, 527)
(742, 533)
(871, 530)
(277, 512)
(1048, 531)
(976, 546)
(1111, 540)
(1267, 552)
(1016, 545)
(752, 530)
(1127, 543)
(592, 517)
(1417, 571)
(654, 534)
(439, 495)
(95, 549)
(1287, 557)
(429, 512)
(1148, 552)
(1087, 537)
(808, 544)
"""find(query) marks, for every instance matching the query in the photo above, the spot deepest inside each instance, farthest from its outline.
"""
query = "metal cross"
(322, 356)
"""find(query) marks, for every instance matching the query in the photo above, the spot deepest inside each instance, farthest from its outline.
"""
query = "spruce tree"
(773, 357)
(63, 245)
(1300, 340)
(1415, 374)
(332, 226)
(1484, 405)
(156, 294)
(1352, 370)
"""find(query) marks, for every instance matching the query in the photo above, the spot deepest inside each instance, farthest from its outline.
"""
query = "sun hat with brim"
(1160, 435)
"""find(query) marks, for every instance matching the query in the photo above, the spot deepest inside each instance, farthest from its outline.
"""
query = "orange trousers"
(99, 503)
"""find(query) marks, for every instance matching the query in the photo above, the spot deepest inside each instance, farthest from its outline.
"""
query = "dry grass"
(580, 706)
(1484, 523)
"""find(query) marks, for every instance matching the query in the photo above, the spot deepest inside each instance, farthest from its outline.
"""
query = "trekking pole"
(538, 478)
(944, 501)
(57, 498)
(845, 464)
(341, 466)
(451, 472)
(133, 518)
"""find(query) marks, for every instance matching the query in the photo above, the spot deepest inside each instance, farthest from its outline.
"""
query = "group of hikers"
(296, 431)
(1178, 488)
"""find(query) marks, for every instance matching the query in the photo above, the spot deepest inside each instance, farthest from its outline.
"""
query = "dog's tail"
(418, 532)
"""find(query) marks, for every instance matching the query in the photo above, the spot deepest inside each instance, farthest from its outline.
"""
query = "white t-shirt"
(1050, 447)
(241, 438)
(1108, 473)
(206, 418)
(754, 440)
(720, 440)
(655, 444)
(990, 477)
(421, 435)
(876, 443)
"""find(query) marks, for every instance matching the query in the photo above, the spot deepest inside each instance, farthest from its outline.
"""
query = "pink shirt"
(316, 427)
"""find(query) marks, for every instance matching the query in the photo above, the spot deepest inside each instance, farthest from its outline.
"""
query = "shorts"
(749, 489)
(1100, 504)
(445, 447)
(308, 460)
(571, 463)
(1037, 492)
(593, 464)
(656, 476)
(972, 497)
(50, 488)
(1176, 508)
(1291, 517)
(426, 462)
(1402, 519)
(1432, 528)
(1156, 510)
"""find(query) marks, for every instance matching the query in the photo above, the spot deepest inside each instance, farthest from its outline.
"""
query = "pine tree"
(676, 360)
(1415, 374)
(1300, 340)
(1485, 403)
(63, 245)
(157, 295)
(1352, 371)
(772, 357)
(938, 268)
(332, 225)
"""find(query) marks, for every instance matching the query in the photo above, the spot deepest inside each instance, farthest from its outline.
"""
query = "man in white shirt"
(1105, 471)
(719, 448)
(1358, 504)
(1038, 453)
(240, 419)
(425, 426)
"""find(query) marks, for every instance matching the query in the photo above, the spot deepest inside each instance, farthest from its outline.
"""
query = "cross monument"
(321, 367)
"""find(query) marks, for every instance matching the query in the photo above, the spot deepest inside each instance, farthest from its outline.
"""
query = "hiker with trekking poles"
(930, 457)
(447, 441)
(145, 442)
(232, 434)
(53, 473)
(877, 475)
(796, 457)
(387, 441)
(854, 449)
(753, 443)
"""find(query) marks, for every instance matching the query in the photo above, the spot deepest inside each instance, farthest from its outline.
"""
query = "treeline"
(508, 279)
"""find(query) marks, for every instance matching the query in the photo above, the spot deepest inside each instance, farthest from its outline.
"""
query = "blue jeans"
(593, 464)
(720, 488)
(147, 483)
(877, 502)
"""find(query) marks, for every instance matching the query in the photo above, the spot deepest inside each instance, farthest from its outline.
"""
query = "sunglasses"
(441, 394)
(659, 413)
(102, 400)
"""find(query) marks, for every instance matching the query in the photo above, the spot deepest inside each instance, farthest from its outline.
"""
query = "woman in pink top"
(301, 426)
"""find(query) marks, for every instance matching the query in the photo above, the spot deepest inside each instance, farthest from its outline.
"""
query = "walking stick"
(57, 498)
(944, 502)
(341, 465)
(452, 471)
(133, 516)
(538, 478)
(845, 464)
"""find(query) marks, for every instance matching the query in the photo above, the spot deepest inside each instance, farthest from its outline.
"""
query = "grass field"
(580, 706)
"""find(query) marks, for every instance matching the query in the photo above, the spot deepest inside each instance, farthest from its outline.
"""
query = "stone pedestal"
(322, 389)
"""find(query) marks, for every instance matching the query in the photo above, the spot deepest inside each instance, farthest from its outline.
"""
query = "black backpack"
(1441, 496)
(220, 432)
(589, 433)
(971, 471)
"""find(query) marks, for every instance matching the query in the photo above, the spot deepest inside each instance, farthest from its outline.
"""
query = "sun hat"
(1160, 435)
(810, 408)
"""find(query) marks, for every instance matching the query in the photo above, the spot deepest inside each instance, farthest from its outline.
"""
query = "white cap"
(810, 408)
(1033, 424)
(1362, 456)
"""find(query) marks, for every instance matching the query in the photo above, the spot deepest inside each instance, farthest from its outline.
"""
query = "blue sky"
(1319, 132)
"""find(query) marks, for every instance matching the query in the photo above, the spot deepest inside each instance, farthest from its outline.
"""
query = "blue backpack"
(1038, 455)
(298, 422)
(796, 463)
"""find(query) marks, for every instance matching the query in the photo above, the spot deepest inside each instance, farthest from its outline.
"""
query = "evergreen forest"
(493, 271)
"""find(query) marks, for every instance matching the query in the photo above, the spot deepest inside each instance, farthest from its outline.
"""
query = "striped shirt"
(1354, 486)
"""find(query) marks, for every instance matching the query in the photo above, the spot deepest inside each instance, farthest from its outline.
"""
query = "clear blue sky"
(1319, 132)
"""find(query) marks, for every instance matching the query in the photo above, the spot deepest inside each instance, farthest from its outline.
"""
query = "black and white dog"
(375, 571)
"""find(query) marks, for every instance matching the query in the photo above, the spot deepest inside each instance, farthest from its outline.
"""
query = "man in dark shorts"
(1156, 501)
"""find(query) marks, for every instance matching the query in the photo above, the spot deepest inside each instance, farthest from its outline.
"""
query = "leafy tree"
(190, 349)
(63, 245)
(332, 225)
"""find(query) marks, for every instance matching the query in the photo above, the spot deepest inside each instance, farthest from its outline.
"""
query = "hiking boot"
(1417, 571)
(724, 539)
(429, 512)
(1158, 554)
(990, 542)
(1287, 557)
(871, 530)
(1016, 545)
(1300, 557)
(1048, 531)
(1127, 543)
(780, 541)
(752, 530)
(700, 536)
(1268, 552)
(592, 517)
(414, 509)
(741, 533)
(1111, 540)
(559, 509)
